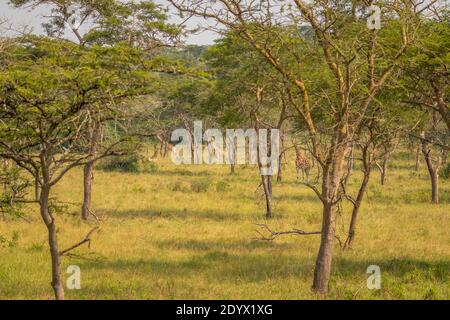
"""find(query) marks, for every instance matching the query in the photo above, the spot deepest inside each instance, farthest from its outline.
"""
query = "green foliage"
(10, 243)
(223, 186)
(199, 186)
(181, 186)
(130, 163)
(14, 189)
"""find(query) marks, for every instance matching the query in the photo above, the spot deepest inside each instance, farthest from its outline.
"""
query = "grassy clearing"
(186, 233)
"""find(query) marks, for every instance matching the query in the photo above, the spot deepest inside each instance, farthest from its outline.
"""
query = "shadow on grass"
(437, 270)
(180, 214)
(297, 197)
(250, 268)
(218, 245)
(215, 265)
(182, 172)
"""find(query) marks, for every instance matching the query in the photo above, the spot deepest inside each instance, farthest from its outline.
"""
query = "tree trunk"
(322, 271)
(435, 187)
(383, 171)
(332, 176)
(280, 173)
(433, 170)
(280, 160)
(350, 164)
(89, 171)
(52, 241)
(356, 206)
(417, 167)
(233, 168)
(267, 186)
(383, 168)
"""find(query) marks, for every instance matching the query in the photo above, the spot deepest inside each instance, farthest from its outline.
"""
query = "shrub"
(222, 186)
(199, 186)
(132, 164)
(181, 186)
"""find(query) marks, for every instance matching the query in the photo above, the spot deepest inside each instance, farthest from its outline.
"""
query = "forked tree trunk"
(52, 241)
(383, 168)
(332, 175)
(88, 174)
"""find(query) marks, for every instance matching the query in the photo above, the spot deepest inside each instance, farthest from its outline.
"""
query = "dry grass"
(186, 233)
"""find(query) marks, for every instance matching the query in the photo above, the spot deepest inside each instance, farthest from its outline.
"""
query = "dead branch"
(86, 239)
(274, 234)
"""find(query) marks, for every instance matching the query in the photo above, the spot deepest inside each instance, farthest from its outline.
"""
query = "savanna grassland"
(188, 232)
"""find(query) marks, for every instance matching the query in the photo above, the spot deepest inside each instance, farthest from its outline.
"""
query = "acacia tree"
(426, 69)
(359, 60)
(140, 25)
(383, 124)
(46, 96)
(244, 94)
(426, 84)
(434, 147)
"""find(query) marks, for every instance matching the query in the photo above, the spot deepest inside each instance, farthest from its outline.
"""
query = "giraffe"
(301, 163)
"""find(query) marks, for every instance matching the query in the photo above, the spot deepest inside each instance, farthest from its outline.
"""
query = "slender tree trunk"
(435, 187)
(280, 160)
(89, 171)
(350, 164)
(417, 167)
(280, 168)
(267, 186)
(383, 168)
(52, 241)
(233, 168)
(384, 172)
(356, 206)
(433, 170)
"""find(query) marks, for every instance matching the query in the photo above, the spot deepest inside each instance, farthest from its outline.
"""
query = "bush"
(445, 172)
(181, 186)
(199, 186)
(132, 164)
(222, 186)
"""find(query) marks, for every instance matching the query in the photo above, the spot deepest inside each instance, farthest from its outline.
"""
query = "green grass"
(187, 233)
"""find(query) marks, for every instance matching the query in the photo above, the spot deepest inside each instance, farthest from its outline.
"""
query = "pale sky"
(34, 18)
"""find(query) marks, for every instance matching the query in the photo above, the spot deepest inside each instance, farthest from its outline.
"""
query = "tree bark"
(350, 164)
(435, 187)
(433, 170)
(332, 176)
(52, 241)
(89, 171)
(356, 206)
(417, 167)
(280, 173)
(322, 271)
(267, 186)
(384, 172)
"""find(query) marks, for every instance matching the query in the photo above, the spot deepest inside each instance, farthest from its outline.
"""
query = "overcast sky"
(34, 18)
